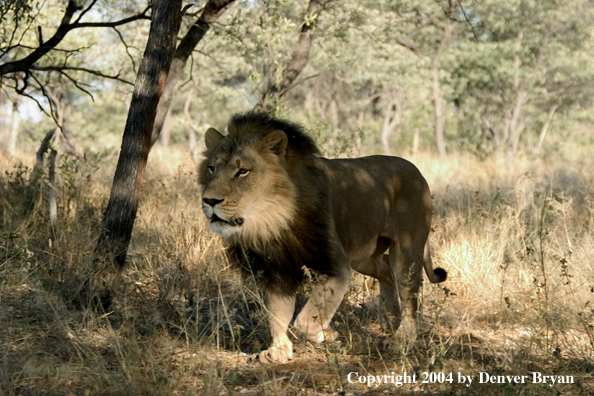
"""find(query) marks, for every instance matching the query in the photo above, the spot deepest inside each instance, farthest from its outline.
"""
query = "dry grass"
(516, 239)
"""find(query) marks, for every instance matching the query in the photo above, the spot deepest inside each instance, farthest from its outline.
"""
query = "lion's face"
(247, 192)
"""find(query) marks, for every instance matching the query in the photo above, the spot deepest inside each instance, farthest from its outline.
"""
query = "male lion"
(281, 207)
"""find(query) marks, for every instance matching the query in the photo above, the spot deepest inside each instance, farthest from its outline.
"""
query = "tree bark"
(298, 60)
(136, 143)
(212, 11)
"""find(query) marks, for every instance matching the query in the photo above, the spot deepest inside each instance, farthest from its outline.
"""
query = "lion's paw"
(276, 355)
(324, 335)
(408, 329)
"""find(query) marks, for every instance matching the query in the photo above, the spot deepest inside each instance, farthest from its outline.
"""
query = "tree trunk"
(136, 143)
(436, 91)
(38, 168)
(334, 115)
(439, 116)
(515, 126)
(53, 207)
(166, 130)
(415, 145)
(358, 133)
(511, 143)
(61, 112)
(545, 127)
(390, 121)
(212, 11)
(14, 129)
(297, 62)
(193, 146)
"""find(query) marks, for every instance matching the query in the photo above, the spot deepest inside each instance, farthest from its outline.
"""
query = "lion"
(285, 212)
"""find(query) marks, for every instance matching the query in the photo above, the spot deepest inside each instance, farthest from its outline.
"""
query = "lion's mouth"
(232, 223)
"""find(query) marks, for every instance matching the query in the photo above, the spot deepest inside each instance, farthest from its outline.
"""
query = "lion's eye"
(211, 169)
(242, 172)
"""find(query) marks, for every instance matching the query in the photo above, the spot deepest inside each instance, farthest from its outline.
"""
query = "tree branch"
(411, 47)
(124, 21)
(65, 26)
(83, 69)
(298, 60)
(29, 60)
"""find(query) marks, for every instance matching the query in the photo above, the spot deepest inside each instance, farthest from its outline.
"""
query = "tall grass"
(516, 239)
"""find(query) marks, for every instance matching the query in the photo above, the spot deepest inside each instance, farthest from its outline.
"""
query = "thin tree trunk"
(298, 60)
(308, 105)
(511, 144)
(212, 11)
(439, 116)
(61, 112)
(14, 128)
(390, 121)
(334, 117)
(358, 133)
(166, 130)
(43, 147)
(415, 145)
(545, 127)
(436, 91)
(193, 146)
(515, 126)
(53, 207)
(136, 143)
(33, 189)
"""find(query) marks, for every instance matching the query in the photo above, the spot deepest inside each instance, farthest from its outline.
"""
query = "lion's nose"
(212, 201)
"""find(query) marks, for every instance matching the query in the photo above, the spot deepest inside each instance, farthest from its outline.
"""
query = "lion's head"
(248, 191)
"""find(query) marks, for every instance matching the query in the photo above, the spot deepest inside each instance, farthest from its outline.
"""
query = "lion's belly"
(366, 251)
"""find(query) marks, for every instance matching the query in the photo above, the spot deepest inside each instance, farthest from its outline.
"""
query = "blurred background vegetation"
(493, 77)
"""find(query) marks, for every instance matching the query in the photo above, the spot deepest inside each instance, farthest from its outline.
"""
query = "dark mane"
(261, 124)
(278, 264)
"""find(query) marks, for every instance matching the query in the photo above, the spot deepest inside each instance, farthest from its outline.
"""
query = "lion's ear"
(212, 138)
(277, 142)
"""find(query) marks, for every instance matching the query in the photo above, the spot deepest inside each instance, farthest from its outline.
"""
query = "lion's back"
(376, 195)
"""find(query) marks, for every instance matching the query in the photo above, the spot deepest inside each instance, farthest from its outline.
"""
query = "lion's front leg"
(314, 319)
(281, 310)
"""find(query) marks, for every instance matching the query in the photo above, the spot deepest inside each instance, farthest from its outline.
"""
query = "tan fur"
(374, 204)
(269, 203)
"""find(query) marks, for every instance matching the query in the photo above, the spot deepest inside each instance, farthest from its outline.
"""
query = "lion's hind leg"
(406, 265)
(389, 306)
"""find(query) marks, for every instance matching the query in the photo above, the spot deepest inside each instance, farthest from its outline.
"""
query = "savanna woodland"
(111, 283)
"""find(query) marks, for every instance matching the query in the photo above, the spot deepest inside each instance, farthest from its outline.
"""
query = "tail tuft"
(440, 275)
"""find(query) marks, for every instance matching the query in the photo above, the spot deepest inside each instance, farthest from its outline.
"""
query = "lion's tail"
(435, 275)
